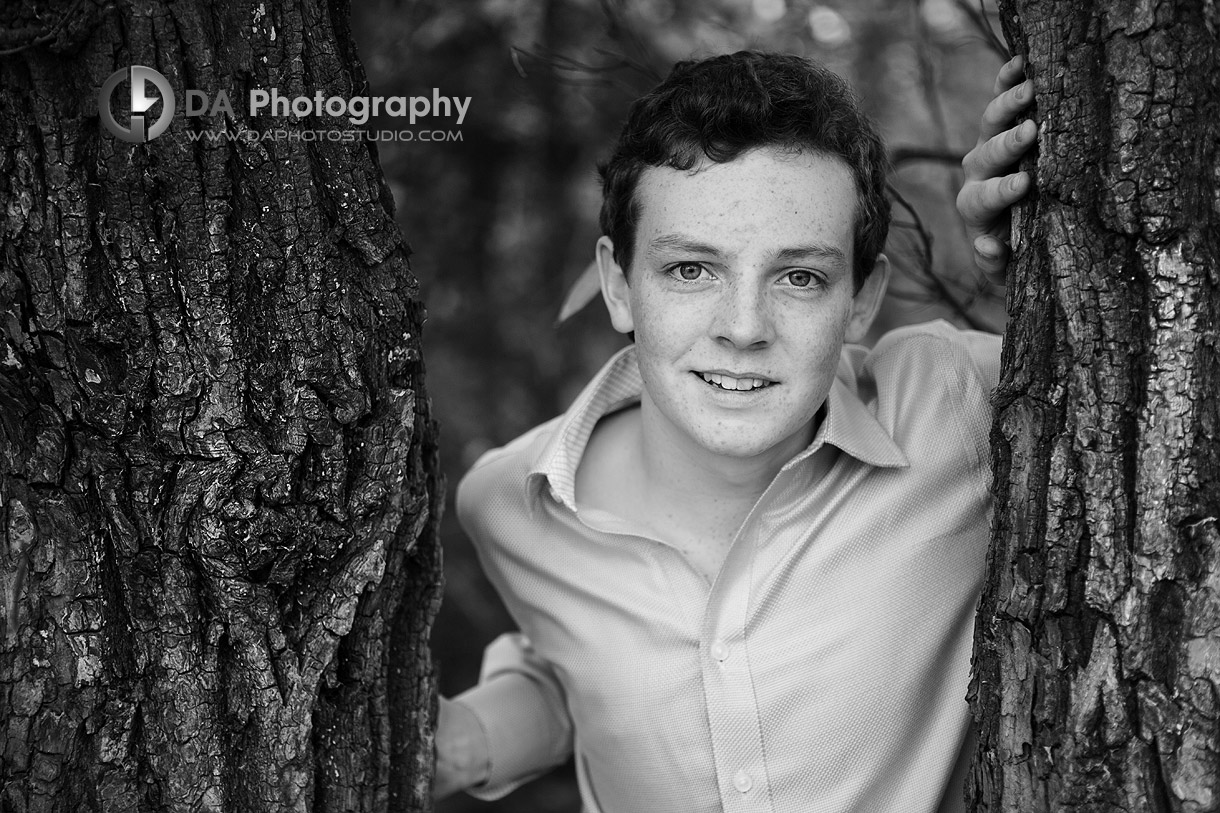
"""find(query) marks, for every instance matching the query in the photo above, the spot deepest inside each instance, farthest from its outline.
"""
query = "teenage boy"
(745, 561)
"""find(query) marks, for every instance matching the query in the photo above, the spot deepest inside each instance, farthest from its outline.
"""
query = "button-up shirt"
(825, 668)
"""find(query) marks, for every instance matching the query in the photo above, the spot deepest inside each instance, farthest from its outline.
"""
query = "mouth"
(735, 383)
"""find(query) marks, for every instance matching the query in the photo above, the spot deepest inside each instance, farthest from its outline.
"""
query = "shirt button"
(743, 782)
(720, 650)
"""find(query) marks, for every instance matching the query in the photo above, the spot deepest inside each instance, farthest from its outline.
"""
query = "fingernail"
(987, 249)
(1024, 90)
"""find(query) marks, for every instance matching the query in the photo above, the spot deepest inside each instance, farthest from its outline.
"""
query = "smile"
(728, 382)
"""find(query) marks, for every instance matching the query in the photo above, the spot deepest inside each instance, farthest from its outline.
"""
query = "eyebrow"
(676, 242)
(818, 251)
(815, 251)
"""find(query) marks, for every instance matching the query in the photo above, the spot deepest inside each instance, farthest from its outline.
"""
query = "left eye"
(800, 279)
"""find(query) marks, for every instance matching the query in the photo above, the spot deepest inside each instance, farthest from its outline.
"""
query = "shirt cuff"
(525, 739)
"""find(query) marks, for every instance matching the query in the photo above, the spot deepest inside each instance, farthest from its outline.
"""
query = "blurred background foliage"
(503, 221)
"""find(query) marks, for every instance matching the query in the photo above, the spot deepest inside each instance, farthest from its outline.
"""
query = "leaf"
(583, 291)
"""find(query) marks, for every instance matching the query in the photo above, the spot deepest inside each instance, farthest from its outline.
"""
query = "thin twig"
(561, 65)
(978, 16)
(925, 263)
(45, 38)
(906, 155)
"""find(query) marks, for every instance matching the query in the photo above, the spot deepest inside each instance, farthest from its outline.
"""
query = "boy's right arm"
(462, 758)
(510, 728)
(514, 725)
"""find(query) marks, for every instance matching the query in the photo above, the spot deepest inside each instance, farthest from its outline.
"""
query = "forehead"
(762, 197)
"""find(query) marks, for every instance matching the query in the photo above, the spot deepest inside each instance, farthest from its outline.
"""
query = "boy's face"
(740, 296)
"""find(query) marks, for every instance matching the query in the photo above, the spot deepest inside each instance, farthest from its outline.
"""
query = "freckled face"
(741, 296)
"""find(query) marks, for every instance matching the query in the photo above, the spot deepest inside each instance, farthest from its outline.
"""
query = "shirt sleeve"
(520, 706)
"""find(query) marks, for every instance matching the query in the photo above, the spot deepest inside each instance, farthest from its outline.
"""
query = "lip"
(730, 374)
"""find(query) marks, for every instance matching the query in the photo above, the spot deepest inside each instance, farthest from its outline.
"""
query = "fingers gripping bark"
(989, 189)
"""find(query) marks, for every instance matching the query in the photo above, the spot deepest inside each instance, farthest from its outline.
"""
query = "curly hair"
(720, 107)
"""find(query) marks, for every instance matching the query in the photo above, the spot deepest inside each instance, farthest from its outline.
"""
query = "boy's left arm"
(990, 189)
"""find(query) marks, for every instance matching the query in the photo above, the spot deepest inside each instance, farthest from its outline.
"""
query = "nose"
(743, 317)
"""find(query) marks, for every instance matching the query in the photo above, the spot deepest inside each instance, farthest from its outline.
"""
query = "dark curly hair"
(719, 108)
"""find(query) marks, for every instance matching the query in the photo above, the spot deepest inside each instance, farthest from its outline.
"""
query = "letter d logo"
(140, 103)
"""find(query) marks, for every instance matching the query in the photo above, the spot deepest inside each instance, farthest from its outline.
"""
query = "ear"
(867, 301)
(616, 291)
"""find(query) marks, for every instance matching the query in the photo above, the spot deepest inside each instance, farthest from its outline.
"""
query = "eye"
(689, 272)
(801, 278)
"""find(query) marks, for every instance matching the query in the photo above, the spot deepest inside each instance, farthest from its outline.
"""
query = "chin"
(742, 447)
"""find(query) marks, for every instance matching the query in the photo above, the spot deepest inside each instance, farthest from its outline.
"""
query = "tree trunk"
(218, 485)
(1098, 638)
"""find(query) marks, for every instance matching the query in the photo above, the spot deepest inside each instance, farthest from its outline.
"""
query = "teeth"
(728, 383)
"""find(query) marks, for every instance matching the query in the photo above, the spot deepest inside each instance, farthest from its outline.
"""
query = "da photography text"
(357, 110)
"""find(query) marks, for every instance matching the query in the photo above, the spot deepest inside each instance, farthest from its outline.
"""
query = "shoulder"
(499, 479)
(931, 350)
(933, 381)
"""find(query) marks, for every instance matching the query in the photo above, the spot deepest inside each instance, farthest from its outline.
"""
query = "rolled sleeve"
(521, 709)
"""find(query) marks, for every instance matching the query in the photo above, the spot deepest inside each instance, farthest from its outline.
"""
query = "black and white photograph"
(609, 406)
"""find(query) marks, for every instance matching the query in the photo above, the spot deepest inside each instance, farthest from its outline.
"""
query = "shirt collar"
(847, 423)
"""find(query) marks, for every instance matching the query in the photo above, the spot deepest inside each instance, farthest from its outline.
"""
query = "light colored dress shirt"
(826, 667)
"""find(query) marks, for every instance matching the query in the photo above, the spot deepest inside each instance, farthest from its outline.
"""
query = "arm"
(989, 190)
(462, 758)
(511, 728)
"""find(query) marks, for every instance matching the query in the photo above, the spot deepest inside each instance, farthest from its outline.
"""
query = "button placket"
(733, 714)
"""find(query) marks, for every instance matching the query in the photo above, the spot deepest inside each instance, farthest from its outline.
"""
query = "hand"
(462, 760)
(988, 192)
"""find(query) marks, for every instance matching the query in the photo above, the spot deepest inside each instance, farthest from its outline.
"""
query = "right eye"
(688, 272)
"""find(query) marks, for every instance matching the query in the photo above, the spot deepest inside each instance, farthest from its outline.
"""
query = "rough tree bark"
(218, 487)
(1098, 640)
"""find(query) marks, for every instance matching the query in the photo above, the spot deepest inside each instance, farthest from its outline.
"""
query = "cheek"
(816, 351)
(820, 330)
(666, 326)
